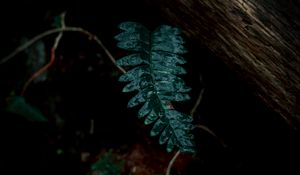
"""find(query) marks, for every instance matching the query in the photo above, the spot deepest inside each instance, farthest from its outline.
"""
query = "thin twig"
(172, 162)
(98, 41)
(39, 72)
(52, 59)
(205, 128)
(197, 102)
(57, 30)
(63, 25)
(92, 126)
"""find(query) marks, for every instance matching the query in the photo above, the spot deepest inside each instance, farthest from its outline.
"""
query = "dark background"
(82, 85)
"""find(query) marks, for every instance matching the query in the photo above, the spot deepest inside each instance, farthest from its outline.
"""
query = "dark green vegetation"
(82, 99)
(153, 75)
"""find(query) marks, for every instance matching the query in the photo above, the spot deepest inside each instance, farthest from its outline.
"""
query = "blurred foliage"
(36, 59)
(107, 165)
(18, 105)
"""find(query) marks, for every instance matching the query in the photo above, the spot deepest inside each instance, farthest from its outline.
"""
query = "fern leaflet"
(153, 69)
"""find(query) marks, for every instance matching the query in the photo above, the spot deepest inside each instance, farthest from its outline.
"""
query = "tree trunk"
(259, 39)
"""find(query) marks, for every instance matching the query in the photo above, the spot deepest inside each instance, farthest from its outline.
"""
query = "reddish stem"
(40, 71)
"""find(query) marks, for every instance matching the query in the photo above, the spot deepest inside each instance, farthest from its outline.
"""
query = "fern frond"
(153, 72)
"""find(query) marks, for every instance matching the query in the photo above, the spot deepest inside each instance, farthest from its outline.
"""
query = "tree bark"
(259, 39)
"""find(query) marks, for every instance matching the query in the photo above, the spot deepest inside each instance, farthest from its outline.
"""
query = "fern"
(154, 67)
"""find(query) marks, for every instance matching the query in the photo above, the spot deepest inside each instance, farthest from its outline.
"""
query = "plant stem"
(172, 162)
(57, 30)
(197, 103)
(52, 58)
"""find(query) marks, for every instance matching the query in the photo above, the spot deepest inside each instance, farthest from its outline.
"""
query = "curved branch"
(172, 162)
(52, 59)
(197, 103)
(57, 30)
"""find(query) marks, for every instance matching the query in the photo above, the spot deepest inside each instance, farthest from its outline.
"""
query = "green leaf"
(168, 58)
(176, 70)
(152, 117)
(173, 114)
(180, 123)
(165, 135)
(171, 86)
(158, 127)
(174, 96)
(131, 60)
(133, 73)
(18, 105)
(137, 84)
(135, 38)
(153, 72)
(133, 26)
(145, 110)
(171, 144)
(160, 75)
(132, 45)
(166, 38)
(139, 98)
